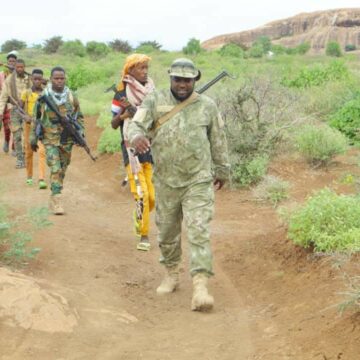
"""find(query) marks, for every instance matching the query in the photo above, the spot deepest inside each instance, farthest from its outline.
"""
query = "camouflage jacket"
(21, 84)
(190, 147)
(53, 132)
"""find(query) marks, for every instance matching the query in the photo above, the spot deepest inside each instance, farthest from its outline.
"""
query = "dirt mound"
(27, 304)
(317, 28)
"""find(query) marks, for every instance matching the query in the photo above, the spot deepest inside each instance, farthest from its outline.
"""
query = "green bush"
(147, 47)
(192, 47)
(16, 234)
(350, 47)
(250, 171)
(328, 222)
(109, 141)
(333, 49)
(319, 144)
(318, 75)
(302, 49)
(82, 76)
(232, 50)
(256, 51)
(347, 119)
(97, 49)
(264, 42)
(73, 47)
(271, 189)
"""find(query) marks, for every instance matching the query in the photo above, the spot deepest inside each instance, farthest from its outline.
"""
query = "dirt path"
(269, 295)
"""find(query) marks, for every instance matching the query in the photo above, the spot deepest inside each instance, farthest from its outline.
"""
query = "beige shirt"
(21, 84)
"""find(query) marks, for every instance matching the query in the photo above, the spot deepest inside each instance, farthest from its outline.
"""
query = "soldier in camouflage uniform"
(58, 144)
(14, 85)
(190, 155)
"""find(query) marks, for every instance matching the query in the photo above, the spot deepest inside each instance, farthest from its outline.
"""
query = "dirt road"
(269, 294)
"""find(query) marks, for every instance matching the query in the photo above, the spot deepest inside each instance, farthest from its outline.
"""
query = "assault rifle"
(214, 81)
(69, 124)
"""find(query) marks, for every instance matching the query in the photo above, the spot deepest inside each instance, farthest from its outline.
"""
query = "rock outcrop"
(317, 28)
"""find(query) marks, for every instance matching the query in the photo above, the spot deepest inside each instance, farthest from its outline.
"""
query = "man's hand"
(141, 144)
(218, 184)
(34, 147)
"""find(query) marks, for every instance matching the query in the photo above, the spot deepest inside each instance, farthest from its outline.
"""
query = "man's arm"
(4, 97)
(219, 150)
(141, 124)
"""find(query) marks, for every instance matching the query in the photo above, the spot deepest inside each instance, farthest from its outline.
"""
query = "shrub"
(271, 189)
(256, 51)
(16, 234)
(13, 44)
(53, 44)
(350, 47)
(347, 119)
(302, 49)
(250, 171)
(120, 46)
(81, 76)
(232, 50)
(278, 49)
(109, 141)
(192, 47)
(333, 49)
(264, 42)
(318, 75)
(147, 47)
(97, 49)
(327, 221)
(319, 144)
(73, 47)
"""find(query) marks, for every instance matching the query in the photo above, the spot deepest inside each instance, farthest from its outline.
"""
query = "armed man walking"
(14, 85)
(57, 140)
(11, 61)
(28, 100)
(190, 157)
(135, 84)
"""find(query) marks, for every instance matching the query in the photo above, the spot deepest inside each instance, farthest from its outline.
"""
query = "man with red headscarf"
(132, 89)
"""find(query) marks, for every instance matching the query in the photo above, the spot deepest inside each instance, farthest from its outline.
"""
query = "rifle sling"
(163, 119)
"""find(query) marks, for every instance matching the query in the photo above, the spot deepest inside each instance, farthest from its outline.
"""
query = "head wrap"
(131, 61)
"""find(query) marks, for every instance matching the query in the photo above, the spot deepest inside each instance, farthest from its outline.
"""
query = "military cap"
(185, 68)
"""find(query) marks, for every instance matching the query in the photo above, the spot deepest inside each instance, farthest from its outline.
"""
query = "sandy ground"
(90, 294)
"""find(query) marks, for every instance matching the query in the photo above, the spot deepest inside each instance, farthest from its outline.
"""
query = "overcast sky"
(171, 23)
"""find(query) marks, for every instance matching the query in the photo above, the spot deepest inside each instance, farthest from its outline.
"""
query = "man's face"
(182, 87)
(11, 61)
(37, 80)
(58, 81)
(140, 72)
(20, 69)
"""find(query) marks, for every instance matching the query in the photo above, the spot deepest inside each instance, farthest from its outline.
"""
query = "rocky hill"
(316, 28)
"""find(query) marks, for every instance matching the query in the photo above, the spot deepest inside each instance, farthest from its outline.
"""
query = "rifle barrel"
(213, 81)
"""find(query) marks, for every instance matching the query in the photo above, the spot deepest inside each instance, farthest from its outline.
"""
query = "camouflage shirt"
(190, 147)
(53, 132)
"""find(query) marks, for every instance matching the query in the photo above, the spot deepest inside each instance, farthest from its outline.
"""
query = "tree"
(232, 50)
(52, 45)
(97, 49)
(120, 46)
(263, 41)
(192, 47)
(13, 44)
(73, 47)
(333, 49)
(148, 46)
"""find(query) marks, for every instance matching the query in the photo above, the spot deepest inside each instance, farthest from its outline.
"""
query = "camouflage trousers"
(16, 126)
(58, 159)
(195, 205)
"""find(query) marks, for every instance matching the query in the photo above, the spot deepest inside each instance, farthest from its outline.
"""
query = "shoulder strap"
(176, 109)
